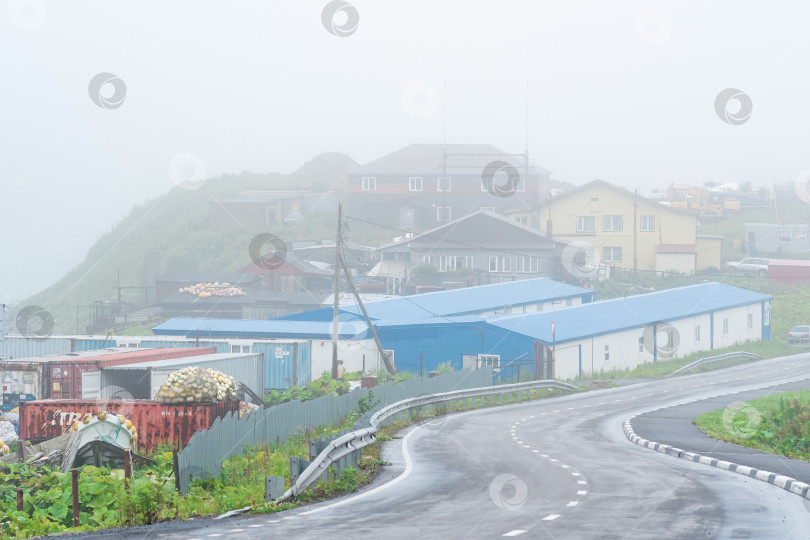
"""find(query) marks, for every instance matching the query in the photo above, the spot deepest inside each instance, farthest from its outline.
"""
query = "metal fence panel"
(229, 437)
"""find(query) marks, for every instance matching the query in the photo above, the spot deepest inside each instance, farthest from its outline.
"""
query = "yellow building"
(625, 230)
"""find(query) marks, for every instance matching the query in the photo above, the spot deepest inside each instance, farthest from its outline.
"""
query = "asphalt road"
(557, 468)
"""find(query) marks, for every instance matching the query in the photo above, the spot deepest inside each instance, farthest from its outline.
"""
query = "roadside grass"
(765, 349)
(778, 424)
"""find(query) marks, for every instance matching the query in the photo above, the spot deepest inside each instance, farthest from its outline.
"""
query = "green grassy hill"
(733, 227)
(172, 232)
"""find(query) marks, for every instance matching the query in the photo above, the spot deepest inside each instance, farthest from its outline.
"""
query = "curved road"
(557, 468)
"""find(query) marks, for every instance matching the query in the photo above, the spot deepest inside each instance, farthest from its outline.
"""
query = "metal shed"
(143, 380)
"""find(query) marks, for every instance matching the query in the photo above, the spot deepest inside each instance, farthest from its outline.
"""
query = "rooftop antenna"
(444, 146)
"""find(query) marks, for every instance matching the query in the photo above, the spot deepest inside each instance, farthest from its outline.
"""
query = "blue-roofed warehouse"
(611, 334)
(523, 296)
(587, 338)
(356, 348)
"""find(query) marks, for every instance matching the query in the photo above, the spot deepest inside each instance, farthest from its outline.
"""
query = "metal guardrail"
(361, 438)
(718, 358)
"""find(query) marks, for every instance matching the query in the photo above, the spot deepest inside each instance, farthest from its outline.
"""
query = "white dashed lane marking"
(572, 503)
(516, 532)
(551, 517)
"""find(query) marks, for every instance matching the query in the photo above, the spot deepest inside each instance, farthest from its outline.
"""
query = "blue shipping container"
(286, 364)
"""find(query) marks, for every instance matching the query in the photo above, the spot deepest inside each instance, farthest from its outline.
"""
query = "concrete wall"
(351, 352)
(681, 263)
(709, 253)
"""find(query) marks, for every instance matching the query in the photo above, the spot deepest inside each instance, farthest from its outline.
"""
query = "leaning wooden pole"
(389, 365)
(336, 303)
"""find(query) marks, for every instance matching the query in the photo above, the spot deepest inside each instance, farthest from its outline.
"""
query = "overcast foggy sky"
(262, 86)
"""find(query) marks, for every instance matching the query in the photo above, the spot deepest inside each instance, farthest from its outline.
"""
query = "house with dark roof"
(482, 247)
(291, 275)
(421, 186)
(616, 227)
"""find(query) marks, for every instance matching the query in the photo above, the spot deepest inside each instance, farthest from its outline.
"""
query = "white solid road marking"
(516, 532)
(551, 517)
(572, 503)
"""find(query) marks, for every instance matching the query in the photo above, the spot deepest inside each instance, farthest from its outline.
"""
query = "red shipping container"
(157, 423)
(789, 271)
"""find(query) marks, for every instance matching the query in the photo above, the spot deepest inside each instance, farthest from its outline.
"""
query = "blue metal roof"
(608, 316)
(207, 328)
(455, 302)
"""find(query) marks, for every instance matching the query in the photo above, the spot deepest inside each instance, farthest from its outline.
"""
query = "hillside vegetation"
(172, 232)
(733, 227)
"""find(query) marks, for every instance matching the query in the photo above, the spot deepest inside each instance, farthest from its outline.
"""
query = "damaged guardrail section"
(361, 438)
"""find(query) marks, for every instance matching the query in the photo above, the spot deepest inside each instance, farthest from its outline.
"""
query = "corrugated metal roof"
(209, 328)
(427, 159)
(189, 360)
(618, 314)
(456, 302)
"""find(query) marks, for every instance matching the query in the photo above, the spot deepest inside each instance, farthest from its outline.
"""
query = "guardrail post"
(273, 487)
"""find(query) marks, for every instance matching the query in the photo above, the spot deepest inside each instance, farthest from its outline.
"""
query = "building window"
(725, 327)
(641, 344)
(697, 334)
(586, 224)
(785, 236)
(801, 236)
(569, 302)
(607, 353)
(527, 265)
(447, 262)
(647, 223)
(489, 360)
(522, 219)
(612, 223)
(750, 321)
(415, 183)
(612, 254)
(442, 213)
(369, 183)
(500, 264)
(443, 184)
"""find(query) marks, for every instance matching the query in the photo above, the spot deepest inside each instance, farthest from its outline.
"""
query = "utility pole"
(336, 304)
(635, 237)
(389, 365)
